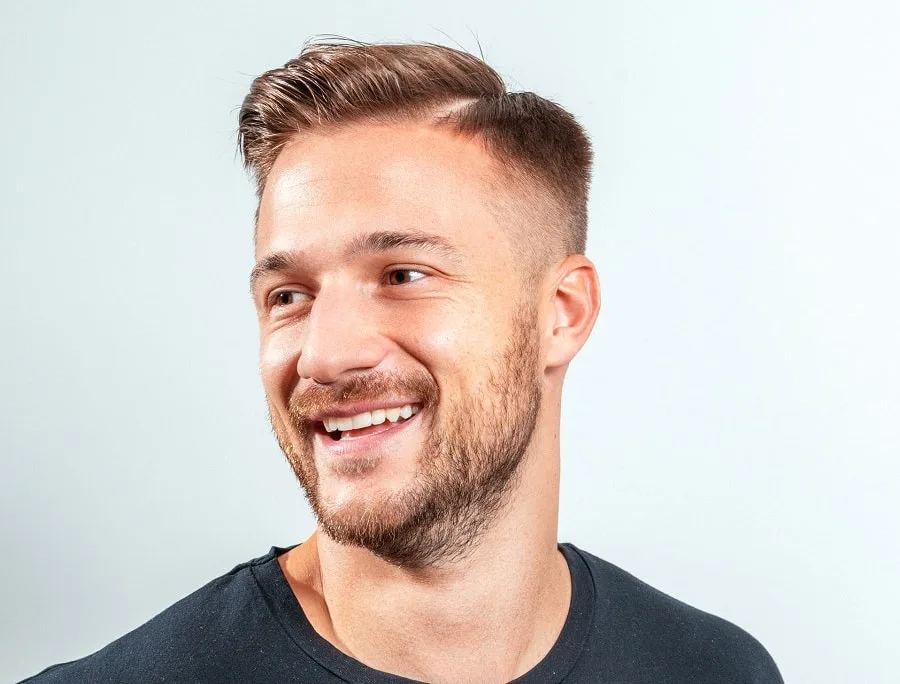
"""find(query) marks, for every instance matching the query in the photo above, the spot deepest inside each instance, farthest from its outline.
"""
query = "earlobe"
(576, 303)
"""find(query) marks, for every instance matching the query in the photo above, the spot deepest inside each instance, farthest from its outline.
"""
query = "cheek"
(451, 344)
(278, 356)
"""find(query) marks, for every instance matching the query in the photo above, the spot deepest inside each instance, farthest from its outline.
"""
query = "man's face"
(384, 281)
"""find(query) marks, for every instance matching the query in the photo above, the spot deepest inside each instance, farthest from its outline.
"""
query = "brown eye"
(287, 297)
(401, 276)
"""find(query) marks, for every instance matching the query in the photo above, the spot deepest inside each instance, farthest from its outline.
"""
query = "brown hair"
(543, 152)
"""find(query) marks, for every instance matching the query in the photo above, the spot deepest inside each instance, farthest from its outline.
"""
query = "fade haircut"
(543, 156)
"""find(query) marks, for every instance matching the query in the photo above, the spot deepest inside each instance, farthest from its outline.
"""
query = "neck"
(490, 616)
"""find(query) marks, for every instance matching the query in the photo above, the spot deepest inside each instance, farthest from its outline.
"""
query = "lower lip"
(359, 446)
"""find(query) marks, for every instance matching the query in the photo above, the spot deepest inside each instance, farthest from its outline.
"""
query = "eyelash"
(406, 270)
(273, 298)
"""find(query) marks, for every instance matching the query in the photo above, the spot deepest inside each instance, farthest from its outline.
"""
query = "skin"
(488, 598)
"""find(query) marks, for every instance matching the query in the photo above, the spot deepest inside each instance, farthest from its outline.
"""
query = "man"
(421, 287)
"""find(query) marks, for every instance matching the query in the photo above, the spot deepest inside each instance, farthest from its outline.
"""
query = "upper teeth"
(368, 418)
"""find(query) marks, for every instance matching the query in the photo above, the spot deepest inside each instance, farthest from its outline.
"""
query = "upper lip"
(352, 409)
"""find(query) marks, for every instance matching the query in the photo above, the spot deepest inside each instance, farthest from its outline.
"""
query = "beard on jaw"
(468, 465)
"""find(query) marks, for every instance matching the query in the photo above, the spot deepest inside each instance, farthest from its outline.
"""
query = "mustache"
(317, 398)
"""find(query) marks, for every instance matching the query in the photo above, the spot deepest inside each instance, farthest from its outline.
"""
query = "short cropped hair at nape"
(543, 154)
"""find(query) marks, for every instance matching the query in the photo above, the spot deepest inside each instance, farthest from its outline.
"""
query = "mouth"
(367, 424)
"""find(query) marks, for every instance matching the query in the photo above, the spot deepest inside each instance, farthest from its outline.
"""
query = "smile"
(367, 422)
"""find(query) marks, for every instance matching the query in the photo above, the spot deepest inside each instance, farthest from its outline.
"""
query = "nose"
(342, 335)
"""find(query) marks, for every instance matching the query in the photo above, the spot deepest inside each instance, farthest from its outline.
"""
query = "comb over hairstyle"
(543, 156)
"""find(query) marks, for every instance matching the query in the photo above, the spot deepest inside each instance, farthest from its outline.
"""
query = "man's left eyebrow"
(386, 240)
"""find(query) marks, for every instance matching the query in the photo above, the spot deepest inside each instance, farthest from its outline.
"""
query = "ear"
(576, 303)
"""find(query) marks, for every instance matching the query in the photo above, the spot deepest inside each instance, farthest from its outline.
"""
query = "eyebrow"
(371, 243)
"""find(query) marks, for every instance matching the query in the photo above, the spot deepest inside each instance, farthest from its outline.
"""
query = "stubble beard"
(467, 468)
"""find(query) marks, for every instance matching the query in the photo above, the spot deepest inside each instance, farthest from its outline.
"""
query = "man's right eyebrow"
(276, 262)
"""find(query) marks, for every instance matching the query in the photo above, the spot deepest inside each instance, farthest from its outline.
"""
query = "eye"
(401, 276)
(286, 298)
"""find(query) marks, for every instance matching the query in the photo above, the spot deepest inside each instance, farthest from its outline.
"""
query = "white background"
(730, 432)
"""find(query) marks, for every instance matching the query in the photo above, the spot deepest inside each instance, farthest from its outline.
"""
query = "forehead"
(326, 188)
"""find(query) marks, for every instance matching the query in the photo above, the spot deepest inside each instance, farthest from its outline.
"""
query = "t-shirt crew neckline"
(552, 669)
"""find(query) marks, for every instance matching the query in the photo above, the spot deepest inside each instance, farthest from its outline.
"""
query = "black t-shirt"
(247, 627)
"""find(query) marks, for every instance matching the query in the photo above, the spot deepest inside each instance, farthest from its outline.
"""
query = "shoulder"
(649, 632)
(191, 637)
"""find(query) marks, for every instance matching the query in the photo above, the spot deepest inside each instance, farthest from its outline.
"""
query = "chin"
(353, 514)
(374, 492)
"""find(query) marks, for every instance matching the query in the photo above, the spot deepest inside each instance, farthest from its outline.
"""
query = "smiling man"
(421, 288)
